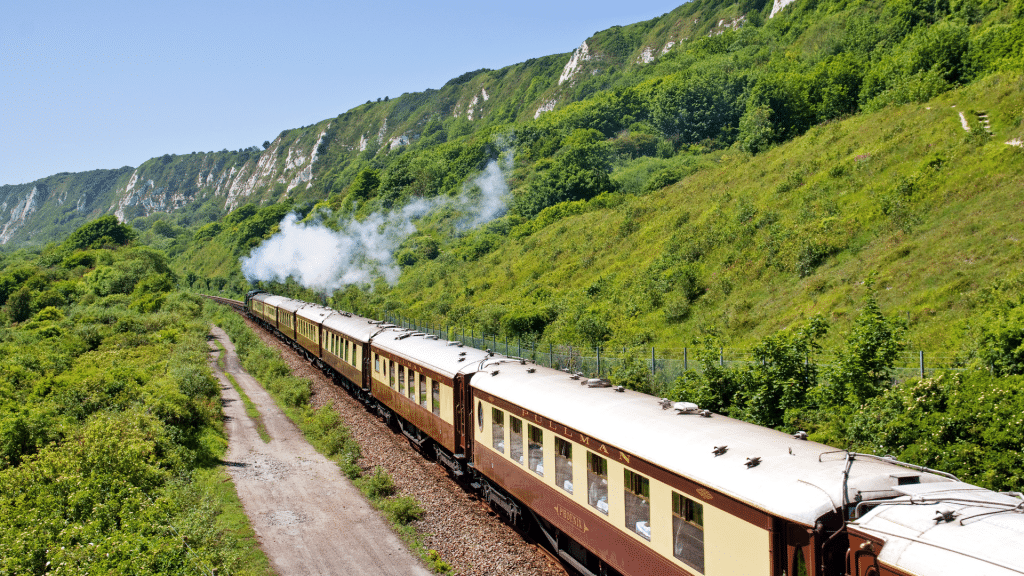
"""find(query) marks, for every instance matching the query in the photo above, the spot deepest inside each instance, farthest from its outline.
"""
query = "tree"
(266, 144)
(106, 230)
(365, 184)
(756, 133)
(579, 171)
(865, 365)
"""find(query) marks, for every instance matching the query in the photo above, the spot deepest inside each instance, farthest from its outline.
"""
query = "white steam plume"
(325, 260)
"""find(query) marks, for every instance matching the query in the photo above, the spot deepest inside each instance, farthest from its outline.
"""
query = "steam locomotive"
(623, 483)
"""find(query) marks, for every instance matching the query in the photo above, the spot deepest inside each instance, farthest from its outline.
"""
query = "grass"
(250, 409)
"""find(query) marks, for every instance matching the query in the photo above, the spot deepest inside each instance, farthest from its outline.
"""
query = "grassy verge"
(326, 431)
(250, 409)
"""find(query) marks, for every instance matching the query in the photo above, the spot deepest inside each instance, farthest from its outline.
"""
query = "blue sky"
(100, 84)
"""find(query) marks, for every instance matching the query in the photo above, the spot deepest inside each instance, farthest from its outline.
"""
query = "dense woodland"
(801, 187)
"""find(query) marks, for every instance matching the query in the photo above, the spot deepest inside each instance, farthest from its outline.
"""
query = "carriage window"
(638, 504)
(498, 429)
(688, 531)
(412, 385)
(536, 449)
(376, 363)
(391, 372)
(435, 397)
(480, 415)
(401, 379)
(515, 439)
(563, 464)
(423, 390)
(597, 482)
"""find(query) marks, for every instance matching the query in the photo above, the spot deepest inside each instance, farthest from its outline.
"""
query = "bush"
(378, 486)
(402, 509)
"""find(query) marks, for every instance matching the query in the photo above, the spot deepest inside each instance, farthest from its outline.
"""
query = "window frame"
(597, 467)
(687, 524)
(498, 423)
(560, 459)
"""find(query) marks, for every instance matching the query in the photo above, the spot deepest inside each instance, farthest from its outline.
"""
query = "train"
(620, 483)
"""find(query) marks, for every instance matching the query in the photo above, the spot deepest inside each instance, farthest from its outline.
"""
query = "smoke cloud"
(326, 260)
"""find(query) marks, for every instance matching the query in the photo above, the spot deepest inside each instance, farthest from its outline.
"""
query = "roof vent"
(753, 462)
(531, 370)
(575, 377)
(719, 450)
(403, 336)
(944, 515)
(619, 389)
(801, 435)
(430, 337)
(454, 343)
(598, 383)
(495, 373)
(690, 408)
(665, 403)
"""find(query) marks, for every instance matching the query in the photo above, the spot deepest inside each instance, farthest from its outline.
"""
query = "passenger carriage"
(649, 489)
(416, 377)
(346, 348)
(938, 529)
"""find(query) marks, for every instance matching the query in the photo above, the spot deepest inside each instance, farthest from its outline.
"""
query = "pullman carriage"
(346, 347)
(307, 328)
(952, 528)
(286, 309)
(416, 377)
(623, 481)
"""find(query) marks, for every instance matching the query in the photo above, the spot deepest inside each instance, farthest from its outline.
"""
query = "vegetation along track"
(465, 532)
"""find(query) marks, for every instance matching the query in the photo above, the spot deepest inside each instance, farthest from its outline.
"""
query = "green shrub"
(402, 509)
(378, 486)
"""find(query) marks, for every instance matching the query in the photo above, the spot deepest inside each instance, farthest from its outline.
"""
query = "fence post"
(922, 363)
(654, 367)
(598, 350)
(551, 355)
(721, 357)
(685, 365)
(519, 346)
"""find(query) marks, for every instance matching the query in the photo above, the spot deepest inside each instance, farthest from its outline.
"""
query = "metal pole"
(685, 366)
(922, 363)
(598, 349)
(551, 355)
(721, 357)
(654, 368)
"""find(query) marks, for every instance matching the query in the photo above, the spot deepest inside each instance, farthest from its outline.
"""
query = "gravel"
(466, 532)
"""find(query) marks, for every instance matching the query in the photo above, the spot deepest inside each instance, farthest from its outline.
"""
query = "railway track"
(238, 306)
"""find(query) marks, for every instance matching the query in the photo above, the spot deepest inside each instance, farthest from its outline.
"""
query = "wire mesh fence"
(665, 365)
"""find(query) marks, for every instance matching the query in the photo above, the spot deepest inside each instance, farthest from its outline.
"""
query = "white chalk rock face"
(579, 55)
(778, 6)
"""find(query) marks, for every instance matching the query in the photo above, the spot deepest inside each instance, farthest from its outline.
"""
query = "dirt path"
(307, 515)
